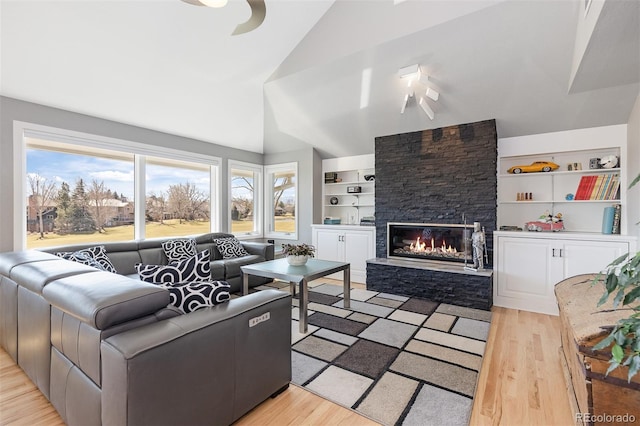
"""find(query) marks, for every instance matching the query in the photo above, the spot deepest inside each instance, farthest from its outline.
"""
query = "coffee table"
(312, 270)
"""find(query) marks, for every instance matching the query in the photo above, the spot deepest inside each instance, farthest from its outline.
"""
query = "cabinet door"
(329, 245)
(587, 257)
(358, 248)
(524, 278)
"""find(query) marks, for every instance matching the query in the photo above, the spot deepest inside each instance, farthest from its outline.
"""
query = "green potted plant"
(622, 278)
(298, 254)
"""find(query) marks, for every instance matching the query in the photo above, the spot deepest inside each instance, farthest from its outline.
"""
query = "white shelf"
(363, 182)
(562, 172)
(562, 202)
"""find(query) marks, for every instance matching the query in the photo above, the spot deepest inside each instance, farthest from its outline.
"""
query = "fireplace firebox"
(430, 241)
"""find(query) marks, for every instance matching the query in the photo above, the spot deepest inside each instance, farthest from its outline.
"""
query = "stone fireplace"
(441, 177)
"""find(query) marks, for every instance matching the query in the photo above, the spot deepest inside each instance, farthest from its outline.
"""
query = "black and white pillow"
(230, 247)
(81, 257)
(194, 269)
(97, 253)
(179, 249)
(189, 297)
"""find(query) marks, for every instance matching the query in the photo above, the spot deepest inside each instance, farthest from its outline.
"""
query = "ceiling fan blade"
(258, 13)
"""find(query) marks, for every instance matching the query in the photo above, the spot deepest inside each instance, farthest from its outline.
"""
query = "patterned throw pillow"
(81, 257)
(230, 247)
(189, 297)
(97, 253)
(179, 249)
(194, 269)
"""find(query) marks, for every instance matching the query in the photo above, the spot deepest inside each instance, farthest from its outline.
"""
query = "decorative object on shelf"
(330, 177)
(609, 162)
(569, 197)
(510, 228)
(369, 178)
(546, 222)
(478, 243)
(331, 221)
(524, 196)
(594, 163)
(368, 221)
(334, 201)
(536, 166)
(413, 74)
(298, 254)
(258, 13)
(354, 189)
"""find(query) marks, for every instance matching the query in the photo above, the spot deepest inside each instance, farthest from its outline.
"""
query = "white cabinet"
(528, 265)
(349, 188)
(342, 243)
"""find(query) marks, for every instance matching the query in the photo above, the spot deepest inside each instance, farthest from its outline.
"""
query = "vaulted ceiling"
(324, 73)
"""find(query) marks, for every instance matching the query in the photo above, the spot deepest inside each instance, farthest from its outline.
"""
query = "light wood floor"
(521, 383)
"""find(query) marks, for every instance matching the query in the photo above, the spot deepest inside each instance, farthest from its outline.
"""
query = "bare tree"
(101, 204)
(186, 202)
(156, 207)
(43, 191)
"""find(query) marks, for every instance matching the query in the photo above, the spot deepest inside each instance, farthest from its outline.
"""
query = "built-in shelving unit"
(556, 191)
(349, 172)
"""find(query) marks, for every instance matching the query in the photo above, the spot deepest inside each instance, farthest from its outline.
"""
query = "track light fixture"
(414, 75)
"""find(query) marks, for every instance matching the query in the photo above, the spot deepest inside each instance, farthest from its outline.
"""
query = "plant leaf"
(604, 298)
(631, 296)
(618, 298)
(617, 353)
(613, 365)
(604, 342)
(611, 283)
(635, 181)
(634, 367)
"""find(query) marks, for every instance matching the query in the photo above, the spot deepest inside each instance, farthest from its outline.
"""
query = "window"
(79, 188)
(178, 198)
(281, 195)
(245, 199)
(76, 195)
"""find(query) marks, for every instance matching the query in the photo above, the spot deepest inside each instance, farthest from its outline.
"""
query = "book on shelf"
(615, 226)
(581, 188)
(597, 186)
(607, 219)
(606, 181)
(612, 192)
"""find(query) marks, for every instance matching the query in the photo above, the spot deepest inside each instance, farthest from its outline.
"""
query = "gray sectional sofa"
(107, 348)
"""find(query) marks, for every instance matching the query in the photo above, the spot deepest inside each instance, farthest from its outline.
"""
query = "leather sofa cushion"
(106, 299)
(35, 275)
(232, 266)
(9, 260)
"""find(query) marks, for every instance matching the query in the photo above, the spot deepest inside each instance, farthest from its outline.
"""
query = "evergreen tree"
(63, 201)
(80, 218)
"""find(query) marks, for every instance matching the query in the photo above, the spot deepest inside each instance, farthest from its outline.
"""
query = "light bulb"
(214, 3)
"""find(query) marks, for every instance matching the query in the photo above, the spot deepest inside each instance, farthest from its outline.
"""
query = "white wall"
(633, 151)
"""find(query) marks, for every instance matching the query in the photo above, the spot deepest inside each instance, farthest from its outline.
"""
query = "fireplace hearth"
(430, 241)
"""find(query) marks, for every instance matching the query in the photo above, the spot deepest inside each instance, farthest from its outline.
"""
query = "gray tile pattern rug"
(394, 359)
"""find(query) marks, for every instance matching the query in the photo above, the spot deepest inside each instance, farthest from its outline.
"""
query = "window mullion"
(139, 181)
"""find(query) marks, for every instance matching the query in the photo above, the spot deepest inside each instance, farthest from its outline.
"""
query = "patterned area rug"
(394, 359)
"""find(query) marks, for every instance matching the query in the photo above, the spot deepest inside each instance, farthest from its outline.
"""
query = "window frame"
(258, 205)
(269, 208)
(24, 130)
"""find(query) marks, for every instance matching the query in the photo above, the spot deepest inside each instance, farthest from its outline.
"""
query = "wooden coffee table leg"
(304, 304)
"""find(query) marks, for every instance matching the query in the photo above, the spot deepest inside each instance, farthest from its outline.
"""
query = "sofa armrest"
(265, 250)
(207, 367)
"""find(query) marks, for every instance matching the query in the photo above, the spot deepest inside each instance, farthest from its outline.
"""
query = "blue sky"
(117, 175)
